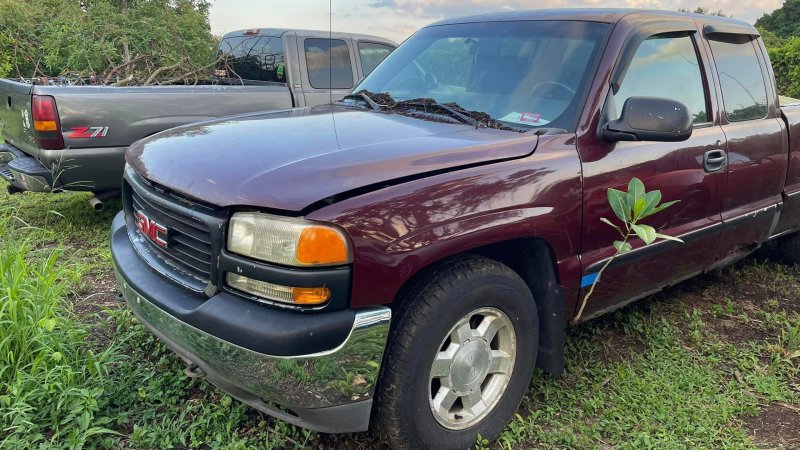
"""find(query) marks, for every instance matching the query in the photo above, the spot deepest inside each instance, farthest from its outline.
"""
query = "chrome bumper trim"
(341, 376)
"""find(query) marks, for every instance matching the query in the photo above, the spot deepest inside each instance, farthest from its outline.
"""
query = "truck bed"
(128, 114)
(790, 215)
(98, 123)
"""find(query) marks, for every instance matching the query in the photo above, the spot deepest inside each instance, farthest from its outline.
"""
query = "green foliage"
(780, 31)
(631, 207)
(789, 342)
(5, 56)
(786, 65)
(64, 37)
(784, 21)
(51, 384)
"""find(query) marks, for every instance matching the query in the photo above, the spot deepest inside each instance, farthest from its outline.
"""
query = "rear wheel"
(789, 248)
(459, 358)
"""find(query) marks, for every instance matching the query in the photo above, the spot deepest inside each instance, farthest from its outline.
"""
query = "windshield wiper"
(452, 109)
(363, 97)
(384, 101)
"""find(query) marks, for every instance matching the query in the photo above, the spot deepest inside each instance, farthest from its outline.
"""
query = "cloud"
(398, 19)
(437, 9)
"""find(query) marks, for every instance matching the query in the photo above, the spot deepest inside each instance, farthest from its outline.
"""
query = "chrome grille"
(189, 246)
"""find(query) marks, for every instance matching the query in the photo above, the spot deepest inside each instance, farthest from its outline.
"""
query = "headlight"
(287, 241)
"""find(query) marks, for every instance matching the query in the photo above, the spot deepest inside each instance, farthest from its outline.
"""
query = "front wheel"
(459, 358)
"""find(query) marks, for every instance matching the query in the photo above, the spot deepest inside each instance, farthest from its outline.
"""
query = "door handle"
(715, 160)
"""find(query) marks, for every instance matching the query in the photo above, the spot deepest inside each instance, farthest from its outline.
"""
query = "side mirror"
(650, 119)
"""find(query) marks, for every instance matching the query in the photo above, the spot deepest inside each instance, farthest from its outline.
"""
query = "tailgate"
(15, 114)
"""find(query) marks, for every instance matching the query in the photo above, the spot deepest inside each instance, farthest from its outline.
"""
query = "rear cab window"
(666, 66)
(372, 54)
(252, 58)
(744, 89)
(329, 63)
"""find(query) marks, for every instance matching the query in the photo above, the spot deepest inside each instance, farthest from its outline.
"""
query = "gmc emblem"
(154, 231)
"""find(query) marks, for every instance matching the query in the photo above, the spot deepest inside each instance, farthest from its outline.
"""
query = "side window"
(666, 66)
(329, 64)
(372, 55)
(744, 91)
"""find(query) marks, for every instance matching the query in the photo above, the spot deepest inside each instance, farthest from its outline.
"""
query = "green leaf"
(48, 324)
(645, 232)
(622, 247)
(635, 191)
(638, 208)
(651, 200)
(663, 206)
(619, 204)
(668, 237)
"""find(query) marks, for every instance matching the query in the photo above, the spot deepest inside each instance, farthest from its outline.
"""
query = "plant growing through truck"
(630, 208)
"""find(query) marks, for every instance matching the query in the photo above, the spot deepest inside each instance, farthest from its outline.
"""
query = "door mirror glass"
(650, 119)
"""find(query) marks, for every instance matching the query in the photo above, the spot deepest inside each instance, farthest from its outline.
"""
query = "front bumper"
(330, 389)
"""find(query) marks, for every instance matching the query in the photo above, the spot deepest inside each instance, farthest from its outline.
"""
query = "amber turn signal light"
(321, 245)
(310, 296)
(45, 125)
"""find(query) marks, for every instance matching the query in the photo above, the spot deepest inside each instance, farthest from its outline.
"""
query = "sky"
(398, 19)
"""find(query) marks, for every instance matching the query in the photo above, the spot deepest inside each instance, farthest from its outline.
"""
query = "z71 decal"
(88, 132)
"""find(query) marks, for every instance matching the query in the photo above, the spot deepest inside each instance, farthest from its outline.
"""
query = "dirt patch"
(351, 442)
(99, 295)
(617, 346)
(776, 425)
(737, 332)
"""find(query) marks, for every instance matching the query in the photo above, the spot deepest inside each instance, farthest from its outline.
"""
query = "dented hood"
(289, 160)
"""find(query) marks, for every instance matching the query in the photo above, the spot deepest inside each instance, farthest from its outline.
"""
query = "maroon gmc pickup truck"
(406, 257)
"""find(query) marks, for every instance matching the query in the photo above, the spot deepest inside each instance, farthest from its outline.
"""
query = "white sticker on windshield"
(526, 118)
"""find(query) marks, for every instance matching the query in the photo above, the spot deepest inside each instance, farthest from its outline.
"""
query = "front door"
(664, 65)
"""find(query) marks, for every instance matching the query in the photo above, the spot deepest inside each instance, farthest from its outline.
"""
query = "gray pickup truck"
(74, 137)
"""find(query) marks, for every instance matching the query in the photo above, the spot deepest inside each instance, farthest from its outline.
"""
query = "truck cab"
(317, 66)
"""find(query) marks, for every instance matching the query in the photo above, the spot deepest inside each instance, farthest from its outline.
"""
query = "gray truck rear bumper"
(95, 170)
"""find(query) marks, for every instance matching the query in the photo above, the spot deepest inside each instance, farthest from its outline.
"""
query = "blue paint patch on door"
(587, 280)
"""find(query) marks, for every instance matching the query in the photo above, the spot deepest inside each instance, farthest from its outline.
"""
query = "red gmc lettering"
(152, 229)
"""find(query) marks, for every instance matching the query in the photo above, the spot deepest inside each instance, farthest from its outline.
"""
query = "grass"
(712, 363)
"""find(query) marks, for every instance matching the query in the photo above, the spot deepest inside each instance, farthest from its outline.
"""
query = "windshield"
(524, 74)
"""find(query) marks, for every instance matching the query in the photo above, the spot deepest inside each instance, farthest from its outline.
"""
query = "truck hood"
(291, 159)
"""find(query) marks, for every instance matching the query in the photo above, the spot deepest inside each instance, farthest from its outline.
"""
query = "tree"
(109, 38)
(786, 65)
(704, 10)
(784, 21)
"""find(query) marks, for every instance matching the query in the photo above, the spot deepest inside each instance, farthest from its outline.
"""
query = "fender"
(402, 229)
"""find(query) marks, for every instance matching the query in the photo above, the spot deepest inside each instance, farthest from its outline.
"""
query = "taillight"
(46, 123)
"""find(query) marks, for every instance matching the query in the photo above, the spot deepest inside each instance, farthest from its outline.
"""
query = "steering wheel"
(553, 83)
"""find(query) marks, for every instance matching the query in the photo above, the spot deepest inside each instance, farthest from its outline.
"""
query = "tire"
(789, 249)
(490, 295)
